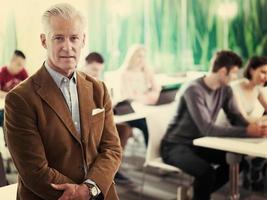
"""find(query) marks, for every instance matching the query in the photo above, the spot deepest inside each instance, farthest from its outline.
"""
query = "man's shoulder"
(89, 79)
(96, 84)
(192, 86)
(25, 87)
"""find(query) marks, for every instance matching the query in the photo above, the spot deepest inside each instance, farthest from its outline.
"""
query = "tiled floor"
(158, 185)
(161, 185)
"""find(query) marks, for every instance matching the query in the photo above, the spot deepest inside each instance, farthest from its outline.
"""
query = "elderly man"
(59, 123)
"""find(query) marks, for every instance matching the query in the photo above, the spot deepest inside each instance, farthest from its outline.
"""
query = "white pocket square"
(97, 110)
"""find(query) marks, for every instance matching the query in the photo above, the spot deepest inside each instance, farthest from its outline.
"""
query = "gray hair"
(63, 10)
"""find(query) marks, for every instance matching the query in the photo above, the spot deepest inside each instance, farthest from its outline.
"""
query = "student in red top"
(13, 74)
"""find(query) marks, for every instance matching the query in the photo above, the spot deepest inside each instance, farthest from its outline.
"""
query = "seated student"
(94, 65)
(138, 83)
(137, 77)
(252, 103)
(249, 91)
(197, 111)
(11, 75)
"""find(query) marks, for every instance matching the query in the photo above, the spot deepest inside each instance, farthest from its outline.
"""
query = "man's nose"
(67, 45)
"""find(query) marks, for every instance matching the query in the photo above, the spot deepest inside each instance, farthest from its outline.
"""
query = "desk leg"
(233, 160)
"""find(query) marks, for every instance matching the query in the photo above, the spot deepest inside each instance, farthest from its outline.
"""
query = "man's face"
(94, 69)
(16, 64)
(64, 42)
(226, 78)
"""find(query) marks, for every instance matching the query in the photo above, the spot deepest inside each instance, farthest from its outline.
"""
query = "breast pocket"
(98, 116)
(96, 128)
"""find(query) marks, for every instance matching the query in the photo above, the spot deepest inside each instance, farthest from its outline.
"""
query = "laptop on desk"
(167, 94)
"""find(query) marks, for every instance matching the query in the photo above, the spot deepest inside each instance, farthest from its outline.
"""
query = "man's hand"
(256, 130)
(73, 191)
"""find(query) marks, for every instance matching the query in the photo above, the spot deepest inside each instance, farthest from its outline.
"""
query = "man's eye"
(74, 38)
(59, 38)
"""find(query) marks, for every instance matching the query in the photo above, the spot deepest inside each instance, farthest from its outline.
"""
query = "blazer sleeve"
(109, 158)
(27, 150)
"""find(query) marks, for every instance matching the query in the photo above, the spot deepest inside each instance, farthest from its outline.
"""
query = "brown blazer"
(44, 143)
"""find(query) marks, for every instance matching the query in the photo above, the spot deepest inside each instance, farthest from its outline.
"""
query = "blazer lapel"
(53, 96)
(86, 104)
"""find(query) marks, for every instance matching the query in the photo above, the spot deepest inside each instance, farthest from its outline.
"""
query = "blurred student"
(200, 103)
(137, 78)
(251, 100)
(94, 66)
(138, 83)
(11, 75)
(249, 91)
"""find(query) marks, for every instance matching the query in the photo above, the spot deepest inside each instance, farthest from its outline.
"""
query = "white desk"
(234, 146)
(128, 117)
(247, 146)
(152, 113)
(8, 192)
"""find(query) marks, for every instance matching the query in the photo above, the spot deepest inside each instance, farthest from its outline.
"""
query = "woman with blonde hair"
(137, 77)
(137, 83)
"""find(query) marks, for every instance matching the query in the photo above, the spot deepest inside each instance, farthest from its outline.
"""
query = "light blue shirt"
(68, 88)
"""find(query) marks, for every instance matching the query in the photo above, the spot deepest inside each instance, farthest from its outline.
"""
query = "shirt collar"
(59, 78)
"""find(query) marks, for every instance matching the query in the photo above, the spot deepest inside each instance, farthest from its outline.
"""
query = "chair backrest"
(157, 123)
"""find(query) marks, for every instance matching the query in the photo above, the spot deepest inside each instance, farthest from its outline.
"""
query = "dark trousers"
(1, 117)
(199, 163)
(140, 124)
(125, 132)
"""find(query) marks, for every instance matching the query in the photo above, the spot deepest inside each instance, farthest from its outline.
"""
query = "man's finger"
(59, 186)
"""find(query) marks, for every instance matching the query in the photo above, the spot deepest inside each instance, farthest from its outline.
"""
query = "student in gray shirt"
(198, 107)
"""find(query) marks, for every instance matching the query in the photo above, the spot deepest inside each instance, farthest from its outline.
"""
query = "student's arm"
(201, 116)
(151, 79)
(151, 96)
(234, 112)
(126, 86)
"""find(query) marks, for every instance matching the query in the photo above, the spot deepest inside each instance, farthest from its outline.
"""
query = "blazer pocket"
(98, 116)
(96, 128)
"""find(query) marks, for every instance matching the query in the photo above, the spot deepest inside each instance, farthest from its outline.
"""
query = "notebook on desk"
(167, 94)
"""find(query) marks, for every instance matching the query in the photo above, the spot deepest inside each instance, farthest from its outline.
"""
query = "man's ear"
(43, 40)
